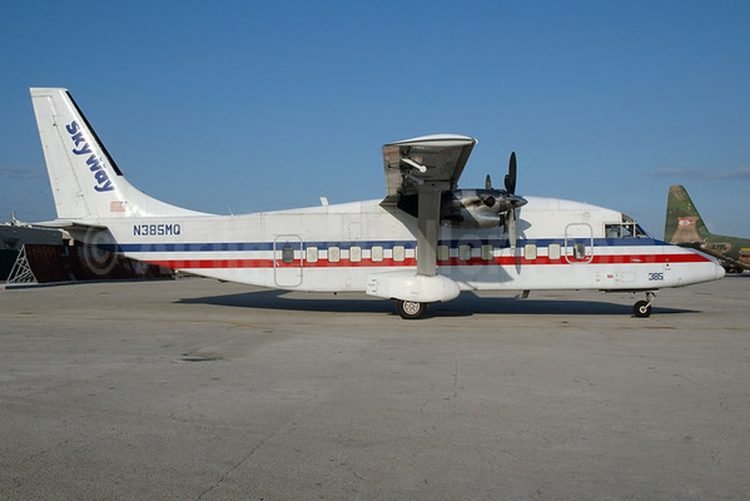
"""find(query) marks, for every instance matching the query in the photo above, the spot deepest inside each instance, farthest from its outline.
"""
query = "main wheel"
(410, 310)
(642, 309)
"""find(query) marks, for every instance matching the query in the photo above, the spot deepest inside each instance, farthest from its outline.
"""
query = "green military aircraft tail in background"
(684, 226)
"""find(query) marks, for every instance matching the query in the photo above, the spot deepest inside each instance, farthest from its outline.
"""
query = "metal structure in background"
(21, 272)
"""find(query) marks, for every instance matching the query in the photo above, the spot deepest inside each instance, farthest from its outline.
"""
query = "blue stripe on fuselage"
(368, 244)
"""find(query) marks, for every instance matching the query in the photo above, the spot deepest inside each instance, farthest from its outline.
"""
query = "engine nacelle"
(472, 218)
(473, 208)
(470, 209)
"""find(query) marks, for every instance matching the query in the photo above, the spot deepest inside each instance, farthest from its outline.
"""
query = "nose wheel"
(642, 309)
(410, 310)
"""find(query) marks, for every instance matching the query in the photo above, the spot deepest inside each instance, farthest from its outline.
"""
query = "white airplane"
(425, 242)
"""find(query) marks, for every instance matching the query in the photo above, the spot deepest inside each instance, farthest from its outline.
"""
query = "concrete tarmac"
(195, 389)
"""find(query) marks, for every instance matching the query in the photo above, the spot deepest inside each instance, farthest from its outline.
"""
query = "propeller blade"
(510, 177)
(488, 182)
(511, 226)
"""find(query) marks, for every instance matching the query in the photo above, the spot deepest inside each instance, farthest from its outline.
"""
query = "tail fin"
(683, 223)
(86, 182)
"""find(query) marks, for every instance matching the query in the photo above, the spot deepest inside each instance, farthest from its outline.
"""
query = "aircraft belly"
(531, 277)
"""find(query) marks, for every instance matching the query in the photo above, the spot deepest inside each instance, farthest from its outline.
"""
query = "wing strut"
(428, 228)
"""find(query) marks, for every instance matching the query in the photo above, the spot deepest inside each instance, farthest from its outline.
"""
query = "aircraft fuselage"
(561, 245)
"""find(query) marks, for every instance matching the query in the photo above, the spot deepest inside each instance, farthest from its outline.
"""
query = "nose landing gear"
(642, 309)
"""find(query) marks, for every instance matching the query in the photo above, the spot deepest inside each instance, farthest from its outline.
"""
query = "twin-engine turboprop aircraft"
(425, 242)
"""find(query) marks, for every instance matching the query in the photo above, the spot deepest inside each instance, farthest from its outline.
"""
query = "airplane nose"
(720, 271)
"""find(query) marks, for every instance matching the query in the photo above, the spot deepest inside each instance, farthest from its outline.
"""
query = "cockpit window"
(626, 229)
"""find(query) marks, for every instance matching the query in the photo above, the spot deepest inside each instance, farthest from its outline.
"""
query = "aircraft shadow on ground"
(466, 304)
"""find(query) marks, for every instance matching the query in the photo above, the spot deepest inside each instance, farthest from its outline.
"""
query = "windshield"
(627, 228)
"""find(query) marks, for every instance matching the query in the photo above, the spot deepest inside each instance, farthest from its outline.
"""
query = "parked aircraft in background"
(425, 242)
(684, 226)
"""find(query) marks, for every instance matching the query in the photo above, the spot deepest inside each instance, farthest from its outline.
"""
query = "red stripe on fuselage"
(454, 261)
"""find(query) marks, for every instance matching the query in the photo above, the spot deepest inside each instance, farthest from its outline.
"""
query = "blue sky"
(249, 106)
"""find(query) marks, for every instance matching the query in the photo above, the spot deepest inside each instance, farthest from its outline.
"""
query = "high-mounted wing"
(426, 167)
(436, 161)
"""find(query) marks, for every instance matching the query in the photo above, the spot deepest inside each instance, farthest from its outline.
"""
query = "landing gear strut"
(410, 310)
(642, 309)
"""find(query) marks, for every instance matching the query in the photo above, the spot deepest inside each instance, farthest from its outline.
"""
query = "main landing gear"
(642, 309)
(410, 310)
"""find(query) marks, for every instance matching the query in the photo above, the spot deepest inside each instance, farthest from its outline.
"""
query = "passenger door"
(579, 243)
(287, 261)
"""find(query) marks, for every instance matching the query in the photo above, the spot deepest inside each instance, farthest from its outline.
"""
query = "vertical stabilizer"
(683, 223)
(86, 182)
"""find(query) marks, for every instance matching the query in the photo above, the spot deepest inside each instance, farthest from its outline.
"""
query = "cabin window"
(487, 252)
(529, 252)
(443, 253)
(287, 254)
(377, 253)
(355, 254)
(399, 253)
(464, 252)
(334, 254)
(553, 252)
(312, 254)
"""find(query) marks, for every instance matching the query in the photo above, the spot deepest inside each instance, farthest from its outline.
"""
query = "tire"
(410, 310)
(642, 309)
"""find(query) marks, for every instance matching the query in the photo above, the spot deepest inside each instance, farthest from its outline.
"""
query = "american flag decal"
(117, 206)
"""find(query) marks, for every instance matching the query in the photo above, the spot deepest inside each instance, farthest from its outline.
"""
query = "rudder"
(683, 222)
(86, 182)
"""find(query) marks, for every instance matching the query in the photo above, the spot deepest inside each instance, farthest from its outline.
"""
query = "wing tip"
(436, 138)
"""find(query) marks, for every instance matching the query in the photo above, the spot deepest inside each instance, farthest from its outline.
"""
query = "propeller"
(510, 177)
(488, 200)
(510, 226)
(514, 201)
(508, 200)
